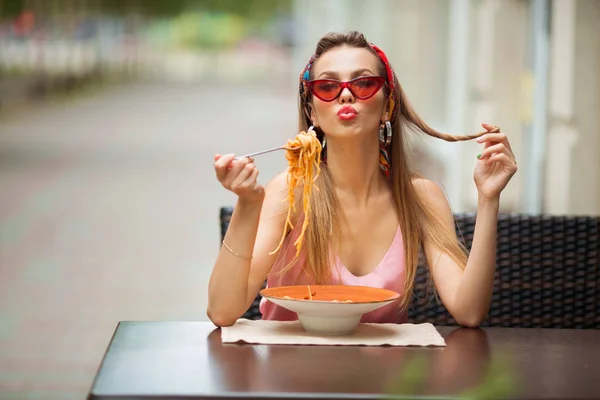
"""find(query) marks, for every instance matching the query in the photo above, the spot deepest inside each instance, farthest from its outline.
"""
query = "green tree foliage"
(255, 9)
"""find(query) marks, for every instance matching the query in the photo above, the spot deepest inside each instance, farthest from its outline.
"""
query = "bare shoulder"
(278, 183)
(433, 196)
(428, 190)
(276, 191)
(276, 194)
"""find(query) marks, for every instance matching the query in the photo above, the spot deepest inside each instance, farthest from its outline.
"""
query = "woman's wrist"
(249, 206)
(488, 202)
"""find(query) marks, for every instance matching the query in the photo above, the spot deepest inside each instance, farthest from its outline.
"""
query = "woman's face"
(347, 115)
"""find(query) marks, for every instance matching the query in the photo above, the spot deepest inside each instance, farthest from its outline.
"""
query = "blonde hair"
(417, 221)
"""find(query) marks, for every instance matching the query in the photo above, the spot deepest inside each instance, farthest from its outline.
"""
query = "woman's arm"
(465, 293)
(243, 262)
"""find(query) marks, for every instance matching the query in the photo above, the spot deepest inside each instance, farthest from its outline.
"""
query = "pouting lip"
(347, 110)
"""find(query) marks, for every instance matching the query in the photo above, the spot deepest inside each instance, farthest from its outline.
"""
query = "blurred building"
(531, 67)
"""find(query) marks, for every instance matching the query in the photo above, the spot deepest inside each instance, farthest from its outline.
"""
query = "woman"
(371, 214)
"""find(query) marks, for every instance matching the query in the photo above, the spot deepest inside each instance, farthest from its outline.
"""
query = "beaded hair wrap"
(384, 159)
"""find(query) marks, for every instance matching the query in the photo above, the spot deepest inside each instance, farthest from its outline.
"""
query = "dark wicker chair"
(547, 275)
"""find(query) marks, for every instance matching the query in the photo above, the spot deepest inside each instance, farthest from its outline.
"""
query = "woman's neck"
(354, 167)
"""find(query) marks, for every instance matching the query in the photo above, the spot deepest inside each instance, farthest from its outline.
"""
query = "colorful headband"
(305, 76)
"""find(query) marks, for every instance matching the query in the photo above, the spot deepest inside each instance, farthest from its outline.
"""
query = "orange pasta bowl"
(330, 309)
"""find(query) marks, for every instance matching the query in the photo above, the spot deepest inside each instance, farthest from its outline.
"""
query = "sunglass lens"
(365, 87)
(326, 90)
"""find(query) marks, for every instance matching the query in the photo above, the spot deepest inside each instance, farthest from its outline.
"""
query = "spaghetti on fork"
(303, 170)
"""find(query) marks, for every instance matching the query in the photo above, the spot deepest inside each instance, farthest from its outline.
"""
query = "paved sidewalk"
(108, 212)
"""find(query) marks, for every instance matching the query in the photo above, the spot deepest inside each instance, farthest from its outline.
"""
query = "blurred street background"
(111, 112)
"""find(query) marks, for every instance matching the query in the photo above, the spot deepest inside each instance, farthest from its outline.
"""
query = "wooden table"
(186, 360)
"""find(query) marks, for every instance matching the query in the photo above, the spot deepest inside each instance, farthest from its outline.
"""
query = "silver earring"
(312, 128)
(385, 134)
(324, 140)
(388, 133)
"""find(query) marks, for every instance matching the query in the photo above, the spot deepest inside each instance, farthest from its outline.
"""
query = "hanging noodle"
(304, 168)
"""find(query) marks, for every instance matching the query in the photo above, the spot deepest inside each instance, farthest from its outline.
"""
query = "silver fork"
(274, 149)
(268, 151)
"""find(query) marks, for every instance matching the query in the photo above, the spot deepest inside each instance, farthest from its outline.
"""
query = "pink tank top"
(389, 274)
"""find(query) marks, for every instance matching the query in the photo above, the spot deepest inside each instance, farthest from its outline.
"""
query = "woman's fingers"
(503, 159)
(494, 149)
(236, 167)
(221, 165)
(240, 180)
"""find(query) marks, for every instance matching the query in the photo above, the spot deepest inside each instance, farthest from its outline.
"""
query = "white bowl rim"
(390, 300)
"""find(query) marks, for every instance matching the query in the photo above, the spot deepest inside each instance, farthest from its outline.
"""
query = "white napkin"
(366, 334)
